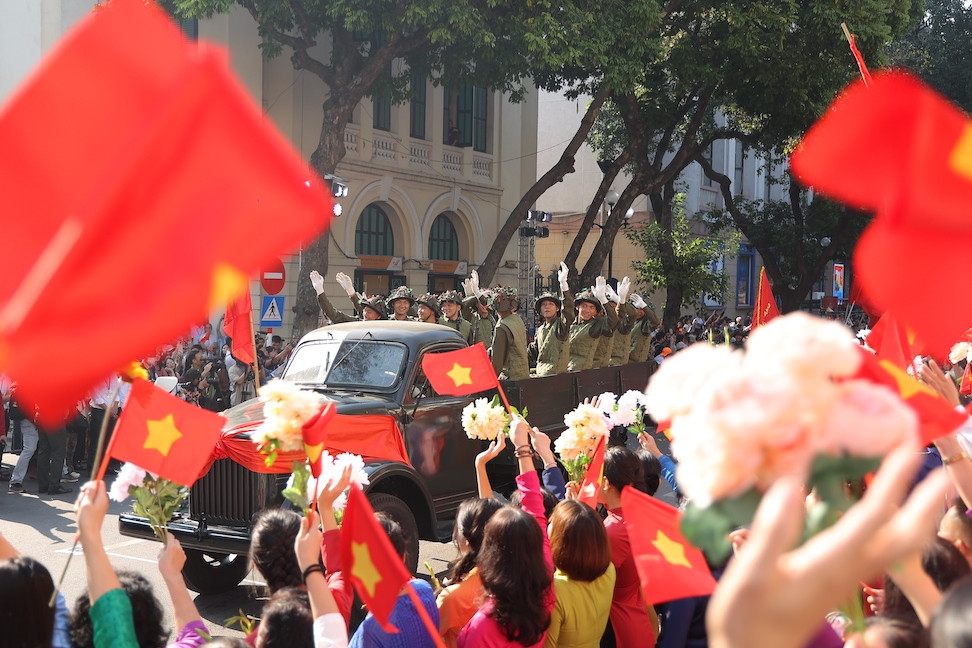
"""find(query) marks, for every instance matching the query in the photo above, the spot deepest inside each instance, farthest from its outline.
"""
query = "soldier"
(595, 316)
(509, 348)
(476, 310)
(628, 316)
(369, 308)
(550, 348)
(428, 309)
(647, 322)
(605, 344)
(399, 302)
(451, 303)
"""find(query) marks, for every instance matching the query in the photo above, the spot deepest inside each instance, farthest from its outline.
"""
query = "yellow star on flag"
(313, 452)
(907, 386)
(161, 435)
(670, 550)
(227, 284)
(961, 158)
(460, 375)
(363, 569)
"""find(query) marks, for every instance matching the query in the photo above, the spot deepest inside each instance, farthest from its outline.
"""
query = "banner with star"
(766, 308)
(370, 562)
(157, 143)
(163, 434)
(460, 373)
(669, 566)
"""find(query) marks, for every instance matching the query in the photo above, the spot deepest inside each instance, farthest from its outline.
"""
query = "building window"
(466, 118)
(737, 179)
(709, 155)
(768, 176)
(443, 242)
(381, 106)
(373, 234)
(416, 125)
(745, 273)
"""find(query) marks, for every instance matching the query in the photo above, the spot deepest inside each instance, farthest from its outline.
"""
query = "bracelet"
(948, 461)
(311, 569)
(525, 445)
(521, 454)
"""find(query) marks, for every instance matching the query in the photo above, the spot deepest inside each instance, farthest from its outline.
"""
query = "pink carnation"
(867, 420)
(804, 344)
(672, 390)
(129, 475)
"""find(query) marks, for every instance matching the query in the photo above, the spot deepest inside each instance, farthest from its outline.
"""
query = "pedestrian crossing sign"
(272, 311)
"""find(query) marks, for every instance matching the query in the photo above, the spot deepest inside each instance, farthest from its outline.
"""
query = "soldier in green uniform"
(509, 348)
(595, 316)
(645, 324)
(550, 349)
(605, 343)
(475, 309)
(399, 302)
(627, 315)
(451, 302)
(369, 308)
(428, 309)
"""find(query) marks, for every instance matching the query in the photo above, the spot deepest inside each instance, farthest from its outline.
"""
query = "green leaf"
(708, 528)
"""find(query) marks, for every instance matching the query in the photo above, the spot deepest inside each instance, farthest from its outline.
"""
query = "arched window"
(373, 235)
(443, 242)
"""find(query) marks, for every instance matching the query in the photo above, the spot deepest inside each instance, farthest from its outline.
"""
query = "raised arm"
(187, 617)
(330, 630)
(482, 478)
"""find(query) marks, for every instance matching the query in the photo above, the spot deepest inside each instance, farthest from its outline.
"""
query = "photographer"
(277, 356)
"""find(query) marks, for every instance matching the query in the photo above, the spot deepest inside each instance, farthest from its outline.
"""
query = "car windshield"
(357, 363)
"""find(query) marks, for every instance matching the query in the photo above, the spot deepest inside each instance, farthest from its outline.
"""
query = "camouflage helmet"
(402, 292)
(429, 300)
(450, 296)
(547, 296)
(375, 303)
(587, 295)
(504, 298)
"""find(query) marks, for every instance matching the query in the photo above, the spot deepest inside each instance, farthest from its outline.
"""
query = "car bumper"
(191, 535)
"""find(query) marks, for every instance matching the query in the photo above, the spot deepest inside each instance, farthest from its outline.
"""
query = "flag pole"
(424, 615)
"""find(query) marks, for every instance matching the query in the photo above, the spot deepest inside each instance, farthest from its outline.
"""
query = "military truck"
(373, 370)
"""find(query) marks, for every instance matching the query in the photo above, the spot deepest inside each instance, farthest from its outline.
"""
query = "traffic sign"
(272, 277)
(271, 311)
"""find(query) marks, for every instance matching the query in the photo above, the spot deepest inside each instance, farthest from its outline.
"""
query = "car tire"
(398, 510)
(213, 573)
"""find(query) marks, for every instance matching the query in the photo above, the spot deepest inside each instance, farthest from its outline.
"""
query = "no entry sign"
(272, 277)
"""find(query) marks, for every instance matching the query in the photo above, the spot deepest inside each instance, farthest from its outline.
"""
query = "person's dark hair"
(951, 622)
(394, 532)
(189, 376)
(943, 562)
(25, 590)
(147, 614)
(578, 541)
(272, 548)
(651, 470)
(471, 519)
(191, 355)
(622, 467)
(286, 620)
(898, 634)
(550, 501)
(514, 575)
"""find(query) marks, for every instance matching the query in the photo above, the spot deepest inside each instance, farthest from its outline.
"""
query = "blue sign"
(271, 311)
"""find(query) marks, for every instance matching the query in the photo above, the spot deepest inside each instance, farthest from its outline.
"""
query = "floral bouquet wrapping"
(628, 411)
(586, 425)
(789, 405)
(156, 499)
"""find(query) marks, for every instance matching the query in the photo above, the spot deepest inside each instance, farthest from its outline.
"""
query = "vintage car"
(419, 461)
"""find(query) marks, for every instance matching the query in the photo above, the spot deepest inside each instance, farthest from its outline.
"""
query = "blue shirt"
(411, 630)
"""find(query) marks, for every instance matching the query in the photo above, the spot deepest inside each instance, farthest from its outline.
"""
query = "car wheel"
(213, 573)
(398, 510)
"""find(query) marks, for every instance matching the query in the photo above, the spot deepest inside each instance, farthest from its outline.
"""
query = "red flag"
(765, 309)
(893, 341)
(238, 326)
(669, 566)
(314, 432)
(591, 483)
(936, 417)
(861, 65)
(858, 297)
(462, 372)
(965, 387)
(164, 435)
(156, 143)
(369, 560)
(899, 149)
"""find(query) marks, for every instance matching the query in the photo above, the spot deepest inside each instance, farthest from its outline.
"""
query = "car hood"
(249, 413)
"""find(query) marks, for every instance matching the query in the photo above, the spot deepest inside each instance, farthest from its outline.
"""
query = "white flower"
(481, 419)
(960, 351)
(331, 469)
(286, 408)
(129, 475)
(804, 344)
(672, 389)
(358, 474)
(627, 409)
(607, 402)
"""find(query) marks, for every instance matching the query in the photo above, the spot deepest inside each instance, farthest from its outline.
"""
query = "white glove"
(638, 301)
(562, 276)
(623, 289)
(600, 290)
(611, 295)
(474, 284)
(467, 287)
(317, 281)
(345, 282)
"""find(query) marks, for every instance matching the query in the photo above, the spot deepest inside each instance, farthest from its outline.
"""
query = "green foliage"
(157, 499)
(709, 528)
(690, 266)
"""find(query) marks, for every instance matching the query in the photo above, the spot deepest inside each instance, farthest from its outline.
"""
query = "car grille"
(228, 494)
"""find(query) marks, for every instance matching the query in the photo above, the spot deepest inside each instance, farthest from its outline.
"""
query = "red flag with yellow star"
(163, 434)
(462, 372)
(314, 433)
(669, 566)
(893, 341)
(898, 148)
(766, 308)
(936, 417)
(158, 145)
(591, 483)
(369, 560)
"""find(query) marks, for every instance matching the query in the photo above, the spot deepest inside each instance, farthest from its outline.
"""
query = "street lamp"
(611, 199)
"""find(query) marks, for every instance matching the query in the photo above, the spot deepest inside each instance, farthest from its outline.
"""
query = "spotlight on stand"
(339, 189)
(537, 216)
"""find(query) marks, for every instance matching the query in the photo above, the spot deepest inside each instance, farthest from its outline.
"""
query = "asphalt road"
(43, 527)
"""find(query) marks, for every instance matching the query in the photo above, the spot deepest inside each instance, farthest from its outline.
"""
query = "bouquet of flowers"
(483, 419)
(302, 488)
(155, 498)
(586, 426)
(627, 411)
(789, 405)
